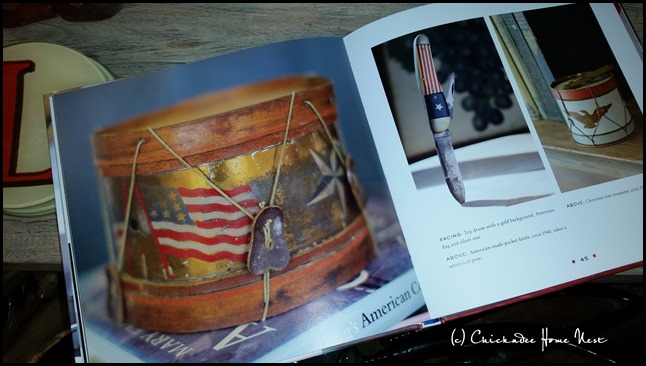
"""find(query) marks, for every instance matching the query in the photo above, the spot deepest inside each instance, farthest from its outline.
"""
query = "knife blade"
(440, 113)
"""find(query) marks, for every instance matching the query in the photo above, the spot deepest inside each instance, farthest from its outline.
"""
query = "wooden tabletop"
(143, 38)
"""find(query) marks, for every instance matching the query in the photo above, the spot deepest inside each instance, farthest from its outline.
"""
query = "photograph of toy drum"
(229, 208)
(594, 109)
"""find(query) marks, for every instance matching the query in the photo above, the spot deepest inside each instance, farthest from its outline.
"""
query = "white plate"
(37, 210)
(57, 68)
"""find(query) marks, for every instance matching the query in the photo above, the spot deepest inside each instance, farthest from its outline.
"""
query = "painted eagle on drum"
(588, 119)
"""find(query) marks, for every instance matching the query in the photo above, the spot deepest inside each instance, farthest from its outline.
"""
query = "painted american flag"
(431, 87)
(429, 81)
(200, 223)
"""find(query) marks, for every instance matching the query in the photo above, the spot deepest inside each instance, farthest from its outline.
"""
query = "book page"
(155, 243)
(537, 203)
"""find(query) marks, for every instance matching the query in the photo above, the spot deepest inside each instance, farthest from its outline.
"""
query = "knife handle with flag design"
(439, 108)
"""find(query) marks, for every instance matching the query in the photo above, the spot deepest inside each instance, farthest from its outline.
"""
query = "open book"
(272, 203)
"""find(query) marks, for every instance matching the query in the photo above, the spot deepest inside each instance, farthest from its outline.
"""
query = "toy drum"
(593, 108)
(230, 207)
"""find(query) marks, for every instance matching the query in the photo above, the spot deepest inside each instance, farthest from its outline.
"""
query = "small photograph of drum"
(600, 139)
(593, 108)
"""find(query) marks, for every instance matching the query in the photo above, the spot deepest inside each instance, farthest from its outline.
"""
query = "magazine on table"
(276, 202)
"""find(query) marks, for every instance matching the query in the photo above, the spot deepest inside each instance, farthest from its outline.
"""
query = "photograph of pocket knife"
(439, 108)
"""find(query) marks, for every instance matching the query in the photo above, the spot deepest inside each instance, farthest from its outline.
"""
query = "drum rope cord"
(129, 203)
(282, 151)
(265, 275)
(327, 131)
